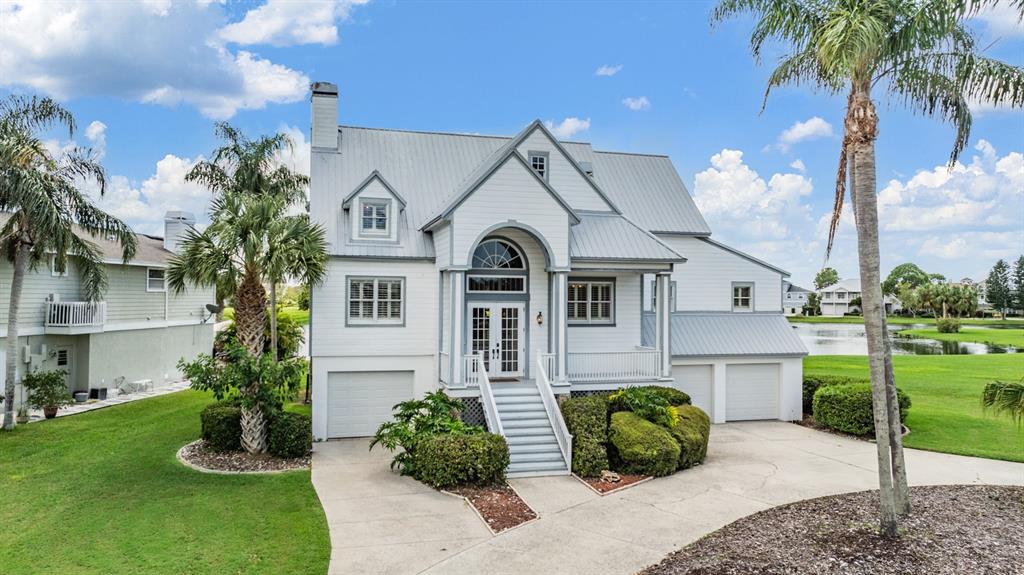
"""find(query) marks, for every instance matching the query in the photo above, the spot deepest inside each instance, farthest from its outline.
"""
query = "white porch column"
(458, 309)
(662, 291)
(560, 323)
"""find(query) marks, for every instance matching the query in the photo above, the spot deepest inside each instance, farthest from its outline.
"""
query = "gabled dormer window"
(539, 163)
(374, 220)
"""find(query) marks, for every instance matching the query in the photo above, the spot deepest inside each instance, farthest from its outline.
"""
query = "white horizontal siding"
(331, 337)
(190, 304)
(127, 298)
(442, 245)
(38, 285)
(511, 193)
(625, 334)
(704, 282)
(562, 176)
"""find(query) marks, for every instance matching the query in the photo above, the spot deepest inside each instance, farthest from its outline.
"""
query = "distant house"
(843, 298)
(794, 298)
(138, 331)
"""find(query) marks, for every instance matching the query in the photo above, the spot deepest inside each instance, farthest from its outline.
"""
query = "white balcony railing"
(601, 366)
(75, 313)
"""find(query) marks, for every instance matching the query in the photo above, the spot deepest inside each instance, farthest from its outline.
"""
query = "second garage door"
(359, 401)
(751, 391)
(695, 381)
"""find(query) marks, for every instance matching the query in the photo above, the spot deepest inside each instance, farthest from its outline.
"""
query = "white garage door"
(695, 381)
(359, 401)
(751, 391)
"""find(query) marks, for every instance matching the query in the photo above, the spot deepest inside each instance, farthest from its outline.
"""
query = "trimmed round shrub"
(222, 426)
(813, 382)
(445, 460)
(847, 408)
(672, 395)
(291, 435)
(691, 432)
(641, 447)
(947, 325)
(587, 421)
(648, 402)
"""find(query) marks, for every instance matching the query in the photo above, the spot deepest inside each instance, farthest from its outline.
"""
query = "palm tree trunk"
(20, 264)
(901, 492)
(250, 312)
(273, 320)
(862, 128)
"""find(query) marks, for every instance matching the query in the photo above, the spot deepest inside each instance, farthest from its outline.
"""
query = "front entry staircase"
(532, 444)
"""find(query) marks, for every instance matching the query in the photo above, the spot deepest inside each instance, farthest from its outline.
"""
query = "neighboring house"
(509, 271)
(794, 299)
(836, 299)
(138, 331)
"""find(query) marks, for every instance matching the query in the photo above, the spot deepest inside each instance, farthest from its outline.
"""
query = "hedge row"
(813, 382)
(444, 460)
(847, 408)
(587, 420)
(290, 435)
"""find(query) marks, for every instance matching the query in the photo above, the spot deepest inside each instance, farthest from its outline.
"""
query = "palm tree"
(251, 238)
(1005, 397)
(922, 55)
(251, 167)
(47, 214)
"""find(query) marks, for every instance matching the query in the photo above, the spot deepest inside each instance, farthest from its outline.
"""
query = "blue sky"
(156, 75)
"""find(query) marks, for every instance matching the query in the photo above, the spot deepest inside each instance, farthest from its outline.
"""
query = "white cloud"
(159, 52)
(568, 127)
(298, 157)
(635, 104)
(96, 133)
(798, 165)
(607, 70)
(811, 129)
(291, 22)
(1002, 20)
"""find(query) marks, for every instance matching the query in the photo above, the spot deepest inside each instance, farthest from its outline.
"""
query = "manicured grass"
(102, 492)
(1013, 322)
(1003, 337)
(945, 391)
(301, 316)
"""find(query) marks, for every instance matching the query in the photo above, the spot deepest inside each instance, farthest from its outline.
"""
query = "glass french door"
(496, 332)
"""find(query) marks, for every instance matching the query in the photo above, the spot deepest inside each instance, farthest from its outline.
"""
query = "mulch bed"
(499, 505)
(951, 530)
(808, 421)
(198, 455)
(602, 486)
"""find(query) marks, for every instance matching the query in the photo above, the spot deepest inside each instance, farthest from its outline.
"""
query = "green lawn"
(102, 492)
(1014, 322)
(945, 391)
(301, 316)
(1004, 337)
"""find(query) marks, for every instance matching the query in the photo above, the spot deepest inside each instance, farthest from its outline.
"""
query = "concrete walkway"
(113, 399)
(383, 523)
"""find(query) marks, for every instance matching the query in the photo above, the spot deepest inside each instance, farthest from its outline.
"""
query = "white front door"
(497, 332)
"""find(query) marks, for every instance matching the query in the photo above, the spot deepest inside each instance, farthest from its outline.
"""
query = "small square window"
(742, 297)
(53, 268)
(539, 163)
(155, 280)
(373, 217)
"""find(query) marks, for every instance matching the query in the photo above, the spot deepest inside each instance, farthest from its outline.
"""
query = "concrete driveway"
(383, 523)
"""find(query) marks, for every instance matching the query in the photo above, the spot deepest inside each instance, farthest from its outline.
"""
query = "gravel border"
(196, 456)
(951, 530)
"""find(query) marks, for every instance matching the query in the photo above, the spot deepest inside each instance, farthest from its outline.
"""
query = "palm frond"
(788, 21)
(1005, 398)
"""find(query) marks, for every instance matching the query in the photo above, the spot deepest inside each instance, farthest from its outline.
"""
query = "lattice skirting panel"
(588, 393)
(473, 412)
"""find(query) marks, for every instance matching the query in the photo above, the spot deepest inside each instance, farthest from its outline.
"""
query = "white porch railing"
(600, 366)
(475, 367)
(549, 362)
(75, 313)
(554, 413)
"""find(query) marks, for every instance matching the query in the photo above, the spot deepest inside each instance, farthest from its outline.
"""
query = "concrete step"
(515, 432)
(551, 467)
(517, 399)
(517, 415)
(543, 438)
(515, 390)
(520, 406)
(537, 458)
(531, 422)
(527, 448)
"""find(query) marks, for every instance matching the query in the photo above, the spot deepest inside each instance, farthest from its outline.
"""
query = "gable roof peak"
(374, 175)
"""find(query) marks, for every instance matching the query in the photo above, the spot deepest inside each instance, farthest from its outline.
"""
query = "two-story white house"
(843, 297)
(509, 271)
(794, 298)
(138, 331)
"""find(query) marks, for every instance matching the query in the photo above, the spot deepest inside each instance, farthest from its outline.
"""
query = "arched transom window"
(497, 255)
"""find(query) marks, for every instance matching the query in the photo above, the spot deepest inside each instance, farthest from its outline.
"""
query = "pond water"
(849, 339)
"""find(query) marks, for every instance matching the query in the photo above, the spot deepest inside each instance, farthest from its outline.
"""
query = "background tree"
(825, 278)
(910, 298)
(923, 55)
(998, 292)
(48, 213)
(908, 274)
(1018, 284)
(293, 251)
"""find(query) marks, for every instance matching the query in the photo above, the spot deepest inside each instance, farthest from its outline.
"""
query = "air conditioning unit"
(26, 354)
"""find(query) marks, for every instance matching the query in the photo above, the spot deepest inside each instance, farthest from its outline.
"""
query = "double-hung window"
(539, 163)
(376, 301)
(591, 302)
(373, 217)
(155, 280)
(742, 297)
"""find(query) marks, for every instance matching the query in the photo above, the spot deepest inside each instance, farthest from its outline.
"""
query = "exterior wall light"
(540, 318)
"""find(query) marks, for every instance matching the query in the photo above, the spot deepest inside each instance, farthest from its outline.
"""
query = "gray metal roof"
(606, 236)
(428, 168)
(729, 334)
(791, 287)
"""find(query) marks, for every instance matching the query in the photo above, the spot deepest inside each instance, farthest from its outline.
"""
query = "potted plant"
(22, 417)
(48, 391)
